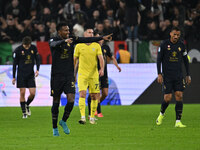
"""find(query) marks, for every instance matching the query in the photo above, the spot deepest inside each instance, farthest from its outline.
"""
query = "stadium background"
(139, 25)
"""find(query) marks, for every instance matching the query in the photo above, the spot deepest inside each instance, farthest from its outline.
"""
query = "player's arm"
(109, 54)
(37, 59)
(15, 63)
(159, 61)
(91, 39)
(76, 62)
(186, 63)
(115, 63)
(55, 43)
(101, 62)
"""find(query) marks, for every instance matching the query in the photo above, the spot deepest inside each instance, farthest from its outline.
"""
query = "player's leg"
(94, 103)
(89, 105)
(167, 89)
(57, 84)
(179, 87)
(179, 108)
(82, 96)
(67, 110)
(55, 112)
(103, 96)
(82, 85)
(94, 91)
(23, 102)
(30, 99)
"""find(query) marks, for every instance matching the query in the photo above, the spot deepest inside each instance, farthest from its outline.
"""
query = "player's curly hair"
(26, 40)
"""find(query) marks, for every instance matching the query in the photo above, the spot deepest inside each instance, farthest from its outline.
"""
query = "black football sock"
(23, 107)
(164, 106)
(99, 108)
(67, 110)
(89, 104)
(29, 101)
(179, 109)
(55, 112)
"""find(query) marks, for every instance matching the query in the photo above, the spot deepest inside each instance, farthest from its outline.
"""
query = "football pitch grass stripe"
(121, 128)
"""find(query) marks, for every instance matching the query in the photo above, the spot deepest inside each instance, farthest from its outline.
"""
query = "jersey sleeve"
(185, 59)
(160, 58)
(15, 61)
(37, 58)
(76, 51)
(99, 51)
(108, 52)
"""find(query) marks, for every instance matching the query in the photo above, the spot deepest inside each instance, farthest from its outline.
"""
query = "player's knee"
(168, 97)
(32, 95)
(82, 94)
(22, 93)
(56, 99)
(178, 96)
(104, 94)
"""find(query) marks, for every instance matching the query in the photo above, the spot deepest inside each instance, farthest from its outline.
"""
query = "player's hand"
(188, 80)
(160, 79)
(119, 68)
(108, 37)
(101, 72)
(36, 73)
(13, 81)
(70, 40)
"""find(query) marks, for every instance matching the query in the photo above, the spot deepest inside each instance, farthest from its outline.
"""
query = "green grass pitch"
(121, 128)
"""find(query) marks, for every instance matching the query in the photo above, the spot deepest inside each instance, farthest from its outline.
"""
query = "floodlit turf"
(121, 128)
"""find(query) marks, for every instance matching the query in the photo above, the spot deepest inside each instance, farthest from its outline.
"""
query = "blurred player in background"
(171, 54)
(88, 75)
(25, 57)
(104, 79)
(62, 72)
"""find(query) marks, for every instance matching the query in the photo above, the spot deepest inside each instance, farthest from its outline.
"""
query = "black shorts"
(26, 82)
(170, 85)
(61, 84)
(103, 82)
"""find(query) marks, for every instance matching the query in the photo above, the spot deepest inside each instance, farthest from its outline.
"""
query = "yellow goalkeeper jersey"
(88, 55)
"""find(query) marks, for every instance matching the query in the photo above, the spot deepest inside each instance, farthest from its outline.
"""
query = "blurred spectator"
(79, 16)
(153, 32)
(123, 56)
(120, 13)
(68, 10)
(103, 7)
(52, 29)
(78, 30)
(88, 8)
(11, 31)
(100, 28)
(108, 29)
(95, 18)
(132, 18)
(16, 10)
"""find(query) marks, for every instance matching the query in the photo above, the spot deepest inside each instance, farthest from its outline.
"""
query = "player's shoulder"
(56, 38)
(33, 47)
(165, 42)
(18, 48)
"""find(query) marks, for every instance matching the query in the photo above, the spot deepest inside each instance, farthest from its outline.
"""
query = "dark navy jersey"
(62, 54)
(171, 56)
(106, 52)
(25, 60)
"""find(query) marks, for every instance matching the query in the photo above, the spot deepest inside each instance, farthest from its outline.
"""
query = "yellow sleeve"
(76, 51)
(99, 52)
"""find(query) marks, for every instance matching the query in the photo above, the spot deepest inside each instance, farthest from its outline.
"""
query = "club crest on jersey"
(168, 47)
(22, 52)
(68, 44)
(32, 51)
(179, 49)
(104, 50)
(93, 49)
